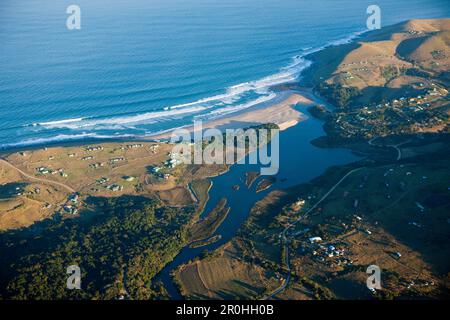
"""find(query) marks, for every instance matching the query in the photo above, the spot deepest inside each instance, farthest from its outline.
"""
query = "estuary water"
(300, 161)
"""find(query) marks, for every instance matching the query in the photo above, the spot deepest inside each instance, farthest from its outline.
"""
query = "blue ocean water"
(137, 67)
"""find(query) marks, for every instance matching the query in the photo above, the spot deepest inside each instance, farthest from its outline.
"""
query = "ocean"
(139, 67)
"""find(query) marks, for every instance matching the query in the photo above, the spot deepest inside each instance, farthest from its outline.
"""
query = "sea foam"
(235, 98)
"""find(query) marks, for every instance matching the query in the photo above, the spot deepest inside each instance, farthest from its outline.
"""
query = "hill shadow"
(12, 190)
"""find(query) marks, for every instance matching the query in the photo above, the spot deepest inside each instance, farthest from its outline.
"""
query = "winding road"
(395, 146)
(30, 177)
(285, 240)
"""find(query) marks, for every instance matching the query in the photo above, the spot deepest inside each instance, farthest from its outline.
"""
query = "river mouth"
(300, 162)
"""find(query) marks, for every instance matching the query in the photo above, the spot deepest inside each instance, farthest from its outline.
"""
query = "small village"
(405, 115)
(104, 161)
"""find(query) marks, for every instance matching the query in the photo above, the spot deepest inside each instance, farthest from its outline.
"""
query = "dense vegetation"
(339, 95)
(207, 226)
(119, 248)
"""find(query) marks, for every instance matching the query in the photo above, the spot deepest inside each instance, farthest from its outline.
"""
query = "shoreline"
(286, 109)
(280, 90)
(288, 95)
(280, 110)
(282, 113)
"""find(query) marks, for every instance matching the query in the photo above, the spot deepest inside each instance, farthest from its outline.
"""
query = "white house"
(315, 239)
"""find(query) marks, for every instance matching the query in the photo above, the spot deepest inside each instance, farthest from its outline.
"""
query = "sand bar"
(282, 113)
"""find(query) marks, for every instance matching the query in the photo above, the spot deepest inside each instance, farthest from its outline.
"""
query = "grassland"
(385, 64)
(23, 201)
(50, 175)
(265, 184)
(119, 210)
(206, 227)
(98, 199)
(200, 189)
(223, 276)
(250, 177)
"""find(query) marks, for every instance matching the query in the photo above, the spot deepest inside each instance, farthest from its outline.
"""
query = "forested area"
(119, 246)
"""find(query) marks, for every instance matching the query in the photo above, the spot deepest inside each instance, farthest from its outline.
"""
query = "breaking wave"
(63, 138)
(235, 99)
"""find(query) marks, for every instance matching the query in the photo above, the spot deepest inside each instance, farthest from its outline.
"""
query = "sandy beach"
(282, 113)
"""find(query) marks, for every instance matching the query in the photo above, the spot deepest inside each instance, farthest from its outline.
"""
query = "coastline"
(376, 170)
(331, 179)
(281, 113)
(241, 201)
(280, 110)
(254, 115)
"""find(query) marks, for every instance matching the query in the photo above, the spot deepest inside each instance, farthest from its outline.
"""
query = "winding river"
(300, 162)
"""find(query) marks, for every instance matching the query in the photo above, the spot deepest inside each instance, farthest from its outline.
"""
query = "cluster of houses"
(157, 172)
(92, 149)
(402, 115)
(132, 146)
(46, 170)
(331, 254)
(135, 146)
(102, 180)
(420, 283)
(348, 75)
(414, 32)
(115, 160)
(154, 148)
(174, 159)
(71, 206)
(97, 165)
(115, 187)
(18, 191)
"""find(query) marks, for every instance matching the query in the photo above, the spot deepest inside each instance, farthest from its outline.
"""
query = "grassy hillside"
(395, 61)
